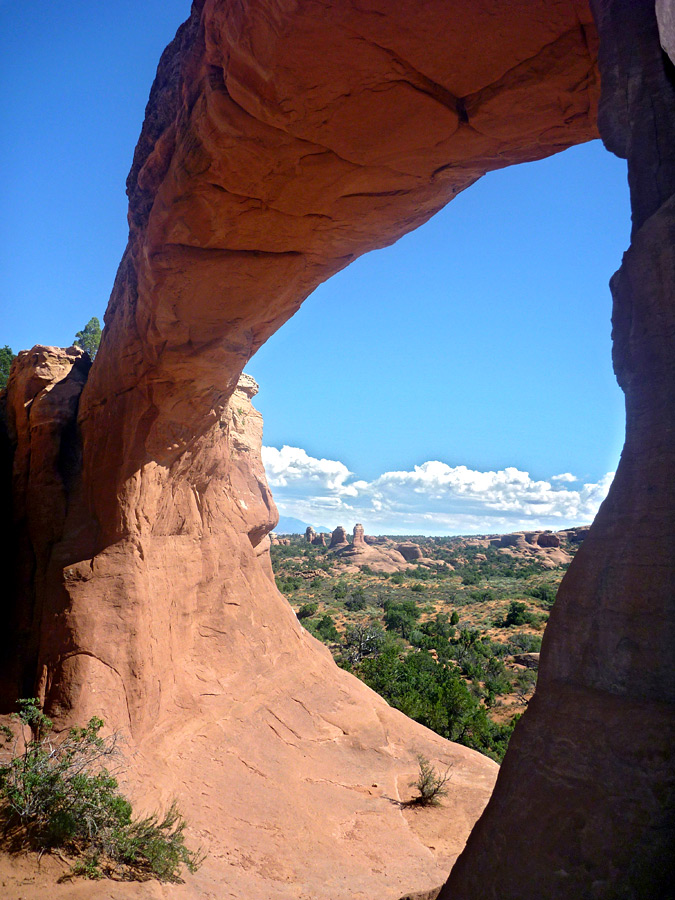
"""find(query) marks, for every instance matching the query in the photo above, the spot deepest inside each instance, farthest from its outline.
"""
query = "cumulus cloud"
(294, 469)
(433, 497)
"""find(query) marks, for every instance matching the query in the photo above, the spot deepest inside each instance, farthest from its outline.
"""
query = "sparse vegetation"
(430, 784)
(56, 793)
(6, 358)
(89, 338)
(436, 640)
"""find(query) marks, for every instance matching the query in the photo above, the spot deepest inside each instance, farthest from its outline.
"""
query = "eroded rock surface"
(266, 164)
(583, 803)
(338, 539)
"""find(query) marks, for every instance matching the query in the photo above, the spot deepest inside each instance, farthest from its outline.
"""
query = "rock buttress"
(266, 164)
(583, 806)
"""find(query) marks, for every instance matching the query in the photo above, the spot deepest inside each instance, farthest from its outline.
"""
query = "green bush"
(546, 593)
(307, 610)
(528, 643)
(324, 629)
(430, 784)
(56, 793)
(518, 614)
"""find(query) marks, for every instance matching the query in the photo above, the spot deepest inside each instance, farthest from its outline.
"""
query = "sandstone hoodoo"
(310, 534)
(143, 592)
(359, 539)
(338, 539)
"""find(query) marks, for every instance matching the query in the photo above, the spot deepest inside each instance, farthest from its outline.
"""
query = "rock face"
(581, 807)
(39, 415)
(310, 534)
(265, 165)
(548, 540)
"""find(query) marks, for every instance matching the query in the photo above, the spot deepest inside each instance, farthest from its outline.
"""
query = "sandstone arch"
(265, 164)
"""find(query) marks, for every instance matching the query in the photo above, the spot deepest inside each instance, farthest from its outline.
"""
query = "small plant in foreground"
(430, 784)
(56, 793)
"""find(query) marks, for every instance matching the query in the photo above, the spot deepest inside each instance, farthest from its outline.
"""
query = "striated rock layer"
(265, 164)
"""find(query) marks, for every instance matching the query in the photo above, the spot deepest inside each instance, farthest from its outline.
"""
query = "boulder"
(409, 551)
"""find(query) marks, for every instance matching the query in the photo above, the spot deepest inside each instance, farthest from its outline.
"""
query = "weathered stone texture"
(281, 141)
(583, 806)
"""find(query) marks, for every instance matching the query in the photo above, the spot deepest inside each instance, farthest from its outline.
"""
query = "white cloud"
(431, 498)
(292, 467)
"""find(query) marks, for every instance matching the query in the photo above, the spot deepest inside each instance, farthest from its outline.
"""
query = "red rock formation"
(265, 164)
(545, 539)
(39, 416)
(380, 558)
(310, 534)
(583, 803)
(409, 551)
(359, 542)
(338, 539)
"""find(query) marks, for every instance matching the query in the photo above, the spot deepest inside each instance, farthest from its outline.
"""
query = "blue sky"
(439, 386)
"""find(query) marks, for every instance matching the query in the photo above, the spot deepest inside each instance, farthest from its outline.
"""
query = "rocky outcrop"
(546, 539)
(265, 165)
(544, 546)
(310, 534)
(338, 539)
(529, 660)
(409, 551)
(39, 422)
(358, 540)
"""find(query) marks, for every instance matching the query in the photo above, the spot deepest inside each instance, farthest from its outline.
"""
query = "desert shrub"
(430, 784)
(361, 641)
(527, 643)
(546, 593)
(307, 610)
(401, 617)
(340, 590)
(470, 576)
(324, 628)
(434, 694)
(56, 793)
(418, 588)
(518, 614)
(483, 595)
(357, 601)
(288, 584)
